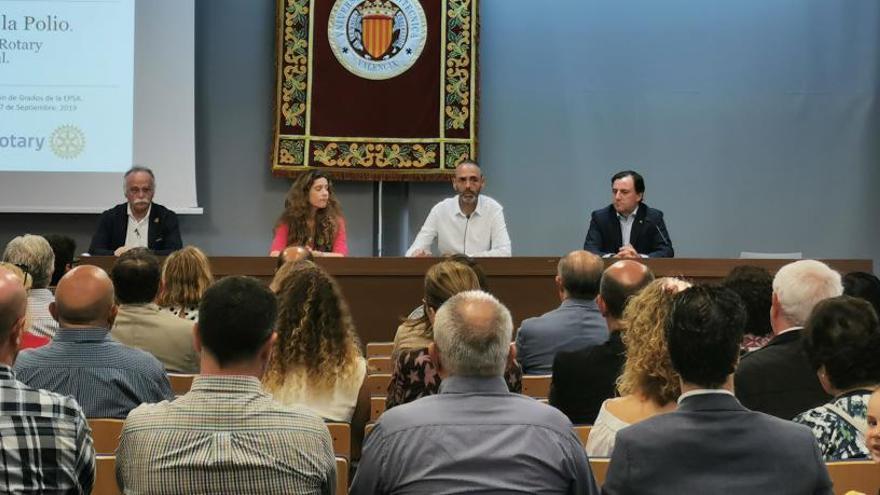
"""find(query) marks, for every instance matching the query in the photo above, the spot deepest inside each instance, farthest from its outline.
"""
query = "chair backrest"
(105, 476)
(105, 434)
(341, 476)
(752, 255)
(583, 433)
(378, 384)
(379, 349)
(859, 476)
(379, 364)
(341, 434)
(180, 383)
(368, 429)
(537, 386)
(377, 407)
(599, 466)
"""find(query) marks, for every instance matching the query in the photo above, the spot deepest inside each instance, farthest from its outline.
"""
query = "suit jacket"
(574, 324)
(712, 444)
(163, 233)
(648, 235)
(778, 379)
(584, 378)
(168, 337)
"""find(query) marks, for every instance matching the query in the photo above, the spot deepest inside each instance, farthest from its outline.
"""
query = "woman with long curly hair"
(316, 360)
(186, 275)
(312, 218)
(648, 385)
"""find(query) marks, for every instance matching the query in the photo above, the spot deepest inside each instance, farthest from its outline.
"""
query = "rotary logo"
(67, 142)
(377, 39)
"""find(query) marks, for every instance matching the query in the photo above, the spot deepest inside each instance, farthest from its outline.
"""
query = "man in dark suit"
(778, 378)
(628, 228)
(711, 443)
(583, 378)
(138, 222)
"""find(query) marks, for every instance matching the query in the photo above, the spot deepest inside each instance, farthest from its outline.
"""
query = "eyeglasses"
(27, 272)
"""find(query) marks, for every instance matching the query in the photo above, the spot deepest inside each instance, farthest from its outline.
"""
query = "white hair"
(799, 286)
(473, 342)
(135, 169)
(35, 253)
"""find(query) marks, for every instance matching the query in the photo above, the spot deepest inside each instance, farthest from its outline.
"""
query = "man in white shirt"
(467, 224)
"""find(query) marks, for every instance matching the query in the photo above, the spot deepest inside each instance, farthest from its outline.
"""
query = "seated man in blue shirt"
(474, 436)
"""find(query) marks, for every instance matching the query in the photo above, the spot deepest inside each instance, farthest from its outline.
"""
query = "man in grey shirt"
(474, 436)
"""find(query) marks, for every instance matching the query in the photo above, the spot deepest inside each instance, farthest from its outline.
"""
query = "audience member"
(28, 340)
(294, 254)
(414, 374)
(778, 379)
(34, 255)
(47, 443)
(712, 444)
(841, 338)
(139, 222)
(584, 378)
(474, 436)
(227, 435)
(64, 248)
(863, 285)
(872, 438)
(105, 377)
(186, 275)
(312, 218)
(754, 285)
(576, 323)
(140, 323)
(648, 385)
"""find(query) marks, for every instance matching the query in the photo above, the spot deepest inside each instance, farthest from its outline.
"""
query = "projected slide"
(66, 85)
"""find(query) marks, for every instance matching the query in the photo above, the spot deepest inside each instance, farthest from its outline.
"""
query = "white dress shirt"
(484, 234)
(136, 234)
(626, 225)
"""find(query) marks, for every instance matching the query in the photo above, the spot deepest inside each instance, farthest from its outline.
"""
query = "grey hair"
(799, 286)
(135, 169)
(472, 346)
(36, 254)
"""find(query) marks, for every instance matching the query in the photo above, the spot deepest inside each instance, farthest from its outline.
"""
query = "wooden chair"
(341, 434)
(599, 465)
(341, 476)
(377, 407)
(379, 364)
(537, 386)
(378, 384)
(859, 476)
(105, 434)
(583, 433)
(375, 349)
(105, 476)
(368, 429)
(180, 383)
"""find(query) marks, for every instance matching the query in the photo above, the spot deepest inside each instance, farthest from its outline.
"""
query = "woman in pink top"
(312, 218)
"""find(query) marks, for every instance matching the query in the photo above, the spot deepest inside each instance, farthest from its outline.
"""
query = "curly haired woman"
(186, 275)
(312, 218)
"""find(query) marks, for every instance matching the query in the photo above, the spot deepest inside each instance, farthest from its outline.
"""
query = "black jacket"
(163, 233)
(648, 235)
(584, 378)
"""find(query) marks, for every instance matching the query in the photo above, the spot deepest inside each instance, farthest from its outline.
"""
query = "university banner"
(376, 89)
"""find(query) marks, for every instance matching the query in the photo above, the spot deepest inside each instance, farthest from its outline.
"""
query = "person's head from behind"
(139, 186)
(316, 336)
(648, 370)
(704, 331)
(442, 281)
(235, 327)
(136, 276)
(84, 299)
(34, 255)
(13, 311)
(863, 285)
(472, 333)
(186, 275)
(293, 254)
(841, 340)
(64, 248)
(621, 281)
(472, 263)
(578, 274)
(754, 285)
(797, 288)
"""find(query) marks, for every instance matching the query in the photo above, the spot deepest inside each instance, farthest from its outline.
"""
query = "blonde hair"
(648, 370)
(442, 281)
(186, 275)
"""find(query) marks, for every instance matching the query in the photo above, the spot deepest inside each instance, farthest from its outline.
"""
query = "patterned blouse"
(837, 438)
(187, 313)
(414, 376)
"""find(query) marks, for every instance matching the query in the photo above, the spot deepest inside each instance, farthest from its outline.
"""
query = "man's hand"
(627, 252)
(120, 250)
(422, 253)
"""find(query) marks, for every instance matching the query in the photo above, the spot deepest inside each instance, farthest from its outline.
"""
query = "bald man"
(583, 378)
(107, 378)
(576, 323)
(63, 442)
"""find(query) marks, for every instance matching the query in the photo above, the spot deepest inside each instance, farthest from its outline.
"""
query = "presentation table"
(382, 291)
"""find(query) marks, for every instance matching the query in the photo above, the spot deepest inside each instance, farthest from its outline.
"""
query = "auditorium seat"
(377, 384)
(859, 476)
(583, 433)
(341, 476)
(341, 434)
(377, 349)
(105, 476)
(379, 364)
(377, 407)
(180, 383)
(537, 386)
(599, 465)
(105, 434)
